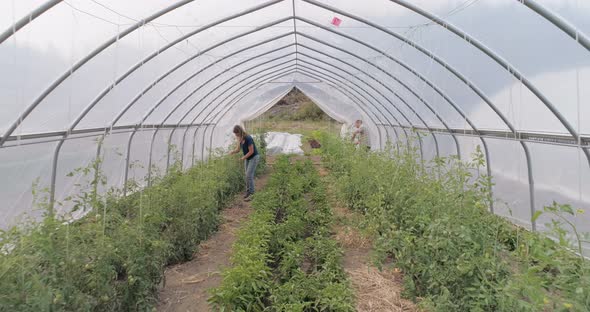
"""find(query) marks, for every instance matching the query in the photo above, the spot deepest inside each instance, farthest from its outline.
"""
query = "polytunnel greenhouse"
(109, 107)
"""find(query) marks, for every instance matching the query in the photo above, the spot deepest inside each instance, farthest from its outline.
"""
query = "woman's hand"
(235, 150)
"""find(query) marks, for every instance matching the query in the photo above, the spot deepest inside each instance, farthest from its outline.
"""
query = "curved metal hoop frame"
(377, 104)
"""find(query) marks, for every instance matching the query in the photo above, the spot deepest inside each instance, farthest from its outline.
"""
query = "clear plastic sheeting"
(511, 183)
(139, 157)
(143, 85)
(446, 145)
(283, 143)
(25, 179)
(113, 161)
(75, 175)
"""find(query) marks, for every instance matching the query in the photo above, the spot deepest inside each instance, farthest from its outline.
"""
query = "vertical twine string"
(519, 121)
(578, 103)
(15, 62)
(19, 95)
(142, 194)
(72, 62)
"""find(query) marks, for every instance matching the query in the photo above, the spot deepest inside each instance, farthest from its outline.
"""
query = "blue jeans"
(250, 166)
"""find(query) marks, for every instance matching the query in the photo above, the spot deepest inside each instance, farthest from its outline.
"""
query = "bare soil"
(187, 284)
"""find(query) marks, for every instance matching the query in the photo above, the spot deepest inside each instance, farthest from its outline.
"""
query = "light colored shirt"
(362, 136)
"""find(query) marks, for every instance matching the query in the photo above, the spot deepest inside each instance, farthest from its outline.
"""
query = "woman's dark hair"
(240, 131)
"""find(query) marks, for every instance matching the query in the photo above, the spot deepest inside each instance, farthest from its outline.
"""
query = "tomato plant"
(430, 220)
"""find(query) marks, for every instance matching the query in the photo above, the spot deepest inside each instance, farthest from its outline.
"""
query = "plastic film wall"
(141, 84)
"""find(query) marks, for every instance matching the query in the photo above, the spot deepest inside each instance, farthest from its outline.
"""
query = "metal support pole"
(395, 60)
(27, 19)
(149, 177)
(83, 61)
(169, 150)
(194, 91)
(127, 159)
(97, 162)
(273, 75)
(385, 86)
(489, 171)
(154, 83)
(389, 75)
(470, 40)
(182, 150)
(295, 32)
(559, 22)
(232, 100)
(52, 186)
(237, 98)
(156, 131)
(429, 54)
(105, 91)
(347, 93)
(225, 109)
(211, 141)
(529, 166)
(54, 177)
(358, 87)
(203, 144)
(281, 57)
(414, 92)
(225, 82)
(194, 142)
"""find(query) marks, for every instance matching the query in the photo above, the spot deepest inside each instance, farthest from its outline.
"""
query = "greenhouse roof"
(508, 75)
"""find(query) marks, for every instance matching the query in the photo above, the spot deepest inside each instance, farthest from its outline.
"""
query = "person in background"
(250, 158)
(360, 135)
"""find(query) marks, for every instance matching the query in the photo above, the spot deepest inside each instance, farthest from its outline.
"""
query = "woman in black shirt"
(250, 158)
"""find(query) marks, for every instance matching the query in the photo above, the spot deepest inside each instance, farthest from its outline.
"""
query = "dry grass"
(349, 237)
(374, 290)
(379, 291)
(186, 285)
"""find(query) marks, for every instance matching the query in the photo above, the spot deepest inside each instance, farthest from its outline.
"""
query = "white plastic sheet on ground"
(283, 143)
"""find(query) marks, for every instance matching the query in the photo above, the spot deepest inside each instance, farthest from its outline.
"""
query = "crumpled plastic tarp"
(283, 143)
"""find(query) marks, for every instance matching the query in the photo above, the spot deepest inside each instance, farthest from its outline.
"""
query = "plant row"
(431, 221)
(284, 258)
(113, 258)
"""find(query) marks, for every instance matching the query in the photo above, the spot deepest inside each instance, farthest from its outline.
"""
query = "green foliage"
(260, 140)
(285, 259)
(309, 111)
(296, 106)
(431, 221)
(247, 283)
(113, 258)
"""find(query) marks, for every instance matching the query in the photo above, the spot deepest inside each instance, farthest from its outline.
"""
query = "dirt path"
(187, 284)
(375, 290)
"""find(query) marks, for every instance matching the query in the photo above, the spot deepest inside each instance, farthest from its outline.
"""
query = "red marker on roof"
(336, 21)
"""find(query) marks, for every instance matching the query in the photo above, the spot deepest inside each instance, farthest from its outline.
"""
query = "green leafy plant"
(285, 259)
(431, 221)
(113, 257)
